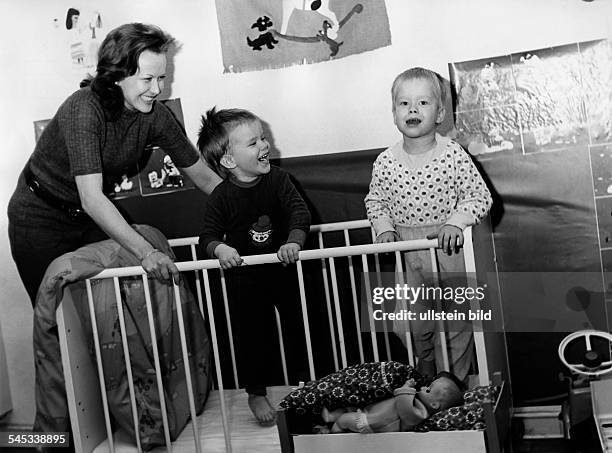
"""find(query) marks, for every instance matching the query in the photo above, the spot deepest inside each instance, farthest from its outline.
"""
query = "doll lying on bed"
(359, 387)
(406, 409)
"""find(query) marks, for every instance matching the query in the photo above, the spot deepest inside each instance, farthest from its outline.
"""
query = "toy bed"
(480, 425)
(225, 425)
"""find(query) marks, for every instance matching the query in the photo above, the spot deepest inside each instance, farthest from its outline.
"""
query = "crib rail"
(334, 305)
(270, 258)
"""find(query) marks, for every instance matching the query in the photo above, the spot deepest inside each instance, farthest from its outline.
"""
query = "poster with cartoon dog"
(262, 34)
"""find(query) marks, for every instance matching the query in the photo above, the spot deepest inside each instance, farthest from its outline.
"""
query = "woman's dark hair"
(71, 12)
(118, 58)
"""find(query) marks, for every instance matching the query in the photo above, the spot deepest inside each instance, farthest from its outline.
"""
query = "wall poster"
(264, 34)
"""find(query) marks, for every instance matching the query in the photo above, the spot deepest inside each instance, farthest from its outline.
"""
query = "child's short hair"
(421, 73)
(213, 138)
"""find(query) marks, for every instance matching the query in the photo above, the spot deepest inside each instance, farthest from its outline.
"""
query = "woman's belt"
(73, 211)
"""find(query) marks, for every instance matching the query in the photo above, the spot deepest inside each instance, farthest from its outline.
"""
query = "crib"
(226, 424)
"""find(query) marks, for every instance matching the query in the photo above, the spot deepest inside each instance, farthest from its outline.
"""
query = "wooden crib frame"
(90, 424)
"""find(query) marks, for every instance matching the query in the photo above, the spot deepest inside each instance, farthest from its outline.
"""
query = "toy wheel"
(593, 365)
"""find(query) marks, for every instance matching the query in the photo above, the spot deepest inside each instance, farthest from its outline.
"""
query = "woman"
(98, 134)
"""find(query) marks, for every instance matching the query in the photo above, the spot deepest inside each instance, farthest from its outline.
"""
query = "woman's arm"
(203, 176)
(110, 220)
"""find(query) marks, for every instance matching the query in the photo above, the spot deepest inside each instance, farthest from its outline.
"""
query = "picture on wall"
(539, 100)
(538, 123)
(125, 187)
(83, 34)
(265, 34)
(161, 175)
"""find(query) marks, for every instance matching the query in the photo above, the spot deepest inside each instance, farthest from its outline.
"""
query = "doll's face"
(437, 393)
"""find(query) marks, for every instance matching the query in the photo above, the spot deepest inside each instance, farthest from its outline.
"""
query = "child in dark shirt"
(255, 210)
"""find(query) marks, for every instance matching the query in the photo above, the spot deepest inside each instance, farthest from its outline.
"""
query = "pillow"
(481, 394)
(468, 416)
(355, 386)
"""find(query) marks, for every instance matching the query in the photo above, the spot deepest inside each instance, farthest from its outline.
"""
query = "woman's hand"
(155, 263)
(159, 266)
(228, 256)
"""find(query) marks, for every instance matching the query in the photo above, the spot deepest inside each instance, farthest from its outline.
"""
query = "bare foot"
(262, 409)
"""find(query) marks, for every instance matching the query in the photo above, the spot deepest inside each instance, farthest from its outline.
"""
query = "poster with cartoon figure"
(125, 186)
(160, 175)
(84, 34)
(262, 34)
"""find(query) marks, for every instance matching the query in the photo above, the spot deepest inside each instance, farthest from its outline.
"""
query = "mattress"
(246, 434)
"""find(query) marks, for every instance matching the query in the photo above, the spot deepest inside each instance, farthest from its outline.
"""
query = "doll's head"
(445, 391)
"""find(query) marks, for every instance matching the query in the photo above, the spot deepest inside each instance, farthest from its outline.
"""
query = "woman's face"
(141, 89)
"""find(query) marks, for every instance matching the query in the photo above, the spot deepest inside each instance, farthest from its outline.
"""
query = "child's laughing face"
(249, 150)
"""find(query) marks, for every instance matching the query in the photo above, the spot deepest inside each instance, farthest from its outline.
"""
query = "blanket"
(67, 273)
(355, 386)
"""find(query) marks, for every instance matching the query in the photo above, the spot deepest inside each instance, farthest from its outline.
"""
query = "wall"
(335, 106)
